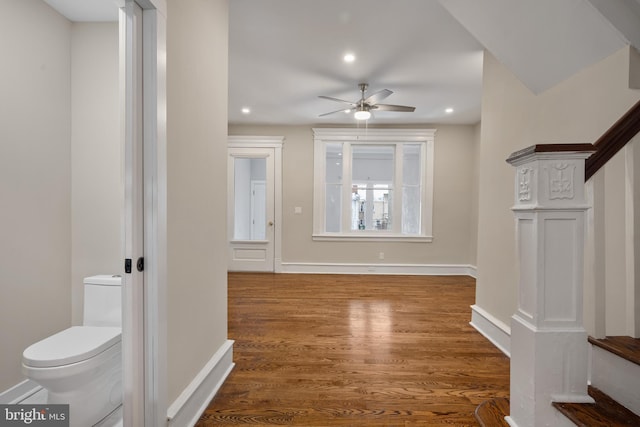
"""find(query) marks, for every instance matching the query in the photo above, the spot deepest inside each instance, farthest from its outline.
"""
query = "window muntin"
(373, 184)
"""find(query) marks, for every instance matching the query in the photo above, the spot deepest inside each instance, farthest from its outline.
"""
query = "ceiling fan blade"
(353, 104)
(378, 96)
(389, 107)
(344, 110)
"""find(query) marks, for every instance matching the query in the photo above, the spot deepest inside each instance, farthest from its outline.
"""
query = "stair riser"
(616, 377)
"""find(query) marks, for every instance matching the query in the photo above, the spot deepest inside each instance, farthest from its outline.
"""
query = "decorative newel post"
(549, 350)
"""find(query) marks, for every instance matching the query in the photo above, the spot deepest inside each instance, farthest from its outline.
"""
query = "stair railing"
(596, 284)
(612, 141)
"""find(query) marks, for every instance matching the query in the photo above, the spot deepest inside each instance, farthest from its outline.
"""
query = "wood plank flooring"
(347, 350)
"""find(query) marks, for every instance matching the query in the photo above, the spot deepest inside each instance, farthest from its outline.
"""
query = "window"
(373, 184)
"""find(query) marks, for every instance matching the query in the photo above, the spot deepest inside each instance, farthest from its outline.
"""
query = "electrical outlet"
(381, 255)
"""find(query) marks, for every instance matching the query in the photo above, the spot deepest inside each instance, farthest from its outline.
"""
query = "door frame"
(275, 142)
(143, 98)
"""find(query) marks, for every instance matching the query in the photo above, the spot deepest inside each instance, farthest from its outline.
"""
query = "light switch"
(297, 210)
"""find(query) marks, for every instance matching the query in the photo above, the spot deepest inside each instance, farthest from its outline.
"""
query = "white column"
(549, 349)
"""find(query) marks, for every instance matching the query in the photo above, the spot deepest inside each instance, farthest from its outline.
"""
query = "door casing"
(143, 101)
(255, 146)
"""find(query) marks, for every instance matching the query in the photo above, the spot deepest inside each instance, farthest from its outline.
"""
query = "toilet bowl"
(82, 366)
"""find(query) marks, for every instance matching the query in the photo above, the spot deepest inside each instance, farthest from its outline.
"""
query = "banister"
(613, 140)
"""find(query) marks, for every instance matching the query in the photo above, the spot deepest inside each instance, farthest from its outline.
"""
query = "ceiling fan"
(365, 106)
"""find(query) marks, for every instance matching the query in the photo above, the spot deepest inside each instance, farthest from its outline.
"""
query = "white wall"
(35, 179)
(96, 156)
(452, 229)
(578, 110)
(197, 39)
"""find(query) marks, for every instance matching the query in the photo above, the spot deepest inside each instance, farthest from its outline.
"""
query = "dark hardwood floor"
(347, 350)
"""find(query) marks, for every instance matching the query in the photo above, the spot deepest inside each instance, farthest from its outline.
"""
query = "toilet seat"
(72, 345)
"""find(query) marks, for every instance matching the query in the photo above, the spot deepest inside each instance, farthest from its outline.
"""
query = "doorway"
(254, 203)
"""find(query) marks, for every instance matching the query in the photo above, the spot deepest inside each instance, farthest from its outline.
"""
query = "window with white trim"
(373, 184)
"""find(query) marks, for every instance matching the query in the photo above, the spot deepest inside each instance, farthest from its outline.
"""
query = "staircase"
(568, 370)
(605, 412)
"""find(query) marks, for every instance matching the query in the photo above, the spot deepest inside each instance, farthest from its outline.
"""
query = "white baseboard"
(187, 408)
(19, 392)
(616, 377)
(402, 269)
(493, 329)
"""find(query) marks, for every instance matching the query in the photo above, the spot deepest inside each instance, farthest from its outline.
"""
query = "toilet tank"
(103, 300)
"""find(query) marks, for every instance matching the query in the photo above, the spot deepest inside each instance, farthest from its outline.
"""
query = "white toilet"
(82, 366)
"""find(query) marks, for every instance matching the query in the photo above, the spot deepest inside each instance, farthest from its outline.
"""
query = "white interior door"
(251, 208)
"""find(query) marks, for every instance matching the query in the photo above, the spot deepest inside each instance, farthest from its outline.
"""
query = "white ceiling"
(283, 54)
(86, 10)
(544, 41)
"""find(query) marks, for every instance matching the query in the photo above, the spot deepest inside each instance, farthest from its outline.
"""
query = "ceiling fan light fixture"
(362, 113)
(363, 106)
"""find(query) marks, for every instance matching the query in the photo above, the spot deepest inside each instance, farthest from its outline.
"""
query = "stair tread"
(606, 412)
(625, 347)
(491, 413)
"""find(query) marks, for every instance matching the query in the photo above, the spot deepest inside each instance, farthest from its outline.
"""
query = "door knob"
(271, 223)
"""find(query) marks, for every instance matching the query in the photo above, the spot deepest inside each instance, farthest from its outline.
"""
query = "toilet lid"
(72, 345)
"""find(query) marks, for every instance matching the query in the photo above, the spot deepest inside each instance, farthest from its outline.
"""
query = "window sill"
(371, 237)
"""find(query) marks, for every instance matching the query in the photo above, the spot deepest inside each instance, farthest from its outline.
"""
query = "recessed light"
(449, 110)
(246, 110)
(349, 57)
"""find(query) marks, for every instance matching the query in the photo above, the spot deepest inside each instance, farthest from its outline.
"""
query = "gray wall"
(453, 193)
(35, 179)
(197, 36)
(96, 156)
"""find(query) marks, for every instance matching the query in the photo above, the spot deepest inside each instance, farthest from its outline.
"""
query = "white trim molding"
(374, 268)
(187, 408)
(19, 392)
(251, 141)
(496, 331)
(372, 237)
